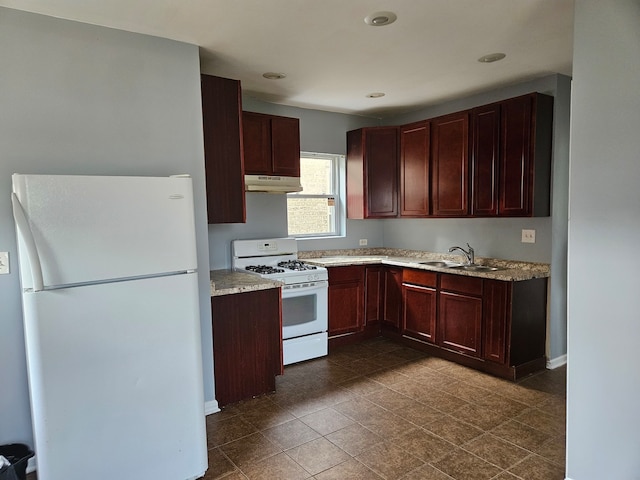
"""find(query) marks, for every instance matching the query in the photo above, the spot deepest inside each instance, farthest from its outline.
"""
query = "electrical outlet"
(363, 242)
(4, 263)
(528, 236)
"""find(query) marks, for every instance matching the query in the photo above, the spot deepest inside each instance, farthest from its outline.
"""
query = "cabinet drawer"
(459, 283)
(346, 274)
(419, 277)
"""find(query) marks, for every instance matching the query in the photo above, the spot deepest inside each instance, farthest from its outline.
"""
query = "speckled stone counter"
(228, 282)
(509, 270)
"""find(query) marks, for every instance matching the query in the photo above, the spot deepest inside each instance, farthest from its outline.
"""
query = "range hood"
(271, 184)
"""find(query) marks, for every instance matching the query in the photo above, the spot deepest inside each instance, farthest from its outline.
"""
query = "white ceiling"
(332, 59)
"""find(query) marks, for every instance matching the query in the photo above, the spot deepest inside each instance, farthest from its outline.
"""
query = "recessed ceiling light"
(380, 19)
(492, 57)
(375, 95)
(274, 75)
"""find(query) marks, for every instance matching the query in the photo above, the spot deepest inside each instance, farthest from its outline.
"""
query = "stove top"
(274, 259)
(296, 265)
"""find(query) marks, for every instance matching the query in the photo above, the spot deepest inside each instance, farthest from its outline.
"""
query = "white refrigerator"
(112, 329)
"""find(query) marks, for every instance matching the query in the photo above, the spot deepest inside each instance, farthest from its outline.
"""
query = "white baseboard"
(557, 362)
(211, 407)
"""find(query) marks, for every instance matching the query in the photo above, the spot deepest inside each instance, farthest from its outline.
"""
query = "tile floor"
(379, 410)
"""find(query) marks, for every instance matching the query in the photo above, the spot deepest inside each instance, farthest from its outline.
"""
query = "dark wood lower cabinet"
(460, 316)
(495, 326)
(346, 302)
(392, 298)
(419, 307)
(247, 344)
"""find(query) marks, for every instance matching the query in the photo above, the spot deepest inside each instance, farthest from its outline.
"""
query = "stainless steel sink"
(440, 263)
(477, 268)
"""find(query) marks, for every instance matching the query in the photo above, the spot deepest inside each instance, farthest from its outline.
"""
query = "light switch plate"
(4, 263)
(528, 236)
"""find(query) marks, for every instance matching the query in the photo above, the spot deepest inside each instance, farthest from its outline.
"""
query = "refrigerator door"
(98, 228)
(115, 376)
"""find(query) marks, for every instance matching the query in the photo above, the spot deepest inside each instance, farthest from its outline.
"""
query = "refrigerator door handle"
(27, 236)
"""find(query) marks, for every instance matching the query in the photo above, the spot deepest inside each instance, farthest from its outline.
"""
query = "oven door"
(304, 309)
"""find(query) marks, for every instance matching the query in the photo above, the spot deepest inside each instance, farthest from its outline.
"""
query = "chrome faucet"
(470, 254)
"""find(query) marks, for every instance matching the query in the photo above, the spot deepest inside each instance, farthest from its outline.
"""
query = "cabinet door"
(497, 306)
(450, 160)
(257, 143)
(392, 309)
(223, 151)
(419, 312)
(381, 172)
(516, 175)
(346, 300)
(285, 146)
(485, 127)
(414, 169)
(460, 323)
(373, 295)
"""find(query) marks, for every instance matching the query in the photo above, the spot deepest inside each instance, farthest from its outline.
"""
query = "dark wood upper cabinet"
(223, 149)
(372, 172)
(271, 145)
(525, 165)
(414, 169)
(485, 158)
(450, 163)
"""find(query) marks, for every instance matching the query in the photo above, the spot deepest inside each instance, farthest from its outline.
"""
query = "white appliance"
(304, 293)
(112, 328)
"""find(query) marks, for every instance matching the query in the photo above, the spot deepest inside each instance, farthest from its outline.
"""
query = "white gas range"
(304, 293)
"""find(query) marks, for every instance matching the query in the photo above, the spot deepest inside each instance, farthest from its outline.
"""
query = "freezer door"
(115, 374)
(96, 228)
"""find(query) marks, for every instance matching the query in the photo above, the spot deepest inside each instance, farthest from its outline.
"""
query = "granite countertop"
(509, 270)
(227, 282)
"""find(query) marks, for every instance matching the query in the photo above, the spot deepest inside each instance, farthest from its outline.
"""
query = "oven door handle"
(318, 285)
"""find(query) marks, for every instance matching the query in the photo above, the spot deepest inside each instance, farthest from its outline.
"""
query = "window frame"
(338, 181)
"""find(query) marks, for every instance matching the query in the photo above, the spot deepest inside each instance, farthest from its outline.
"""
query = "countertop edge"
(229, 282)
(510, 270)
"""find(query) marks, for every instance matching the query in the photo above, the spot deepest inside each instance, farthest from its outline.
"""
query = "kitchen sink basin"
(476, 268)
(440, 263)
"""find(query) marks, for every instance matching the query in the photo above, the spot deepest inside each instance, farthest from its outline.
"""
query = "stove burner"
(296, 265)
(263, 269)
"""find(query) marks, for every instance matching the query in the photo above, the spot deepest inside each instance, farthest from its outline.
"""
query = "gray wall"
(603, 394)
(80, 99)
(323, 132)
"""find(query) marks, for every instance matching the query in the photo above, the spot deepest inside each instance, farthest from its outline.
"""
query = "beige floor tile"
(354, 439)
(462, 465)
(389, 460)
(426, 472)
(351, 470)
(318, 455)
(279, 466)
(522, 435)
(227, 430)
(250, 449)
(219, 465)
(291, 434)
(453, 430)
(496, 450)
(326, 421)
(424, 445)
(535, 467)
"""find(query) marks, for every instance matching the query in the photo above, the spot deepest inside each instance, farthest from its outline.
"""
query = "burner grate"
(296, 265)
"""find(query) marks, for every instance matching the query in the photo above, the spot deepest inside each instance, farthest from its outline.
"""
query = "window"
(316, 211)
